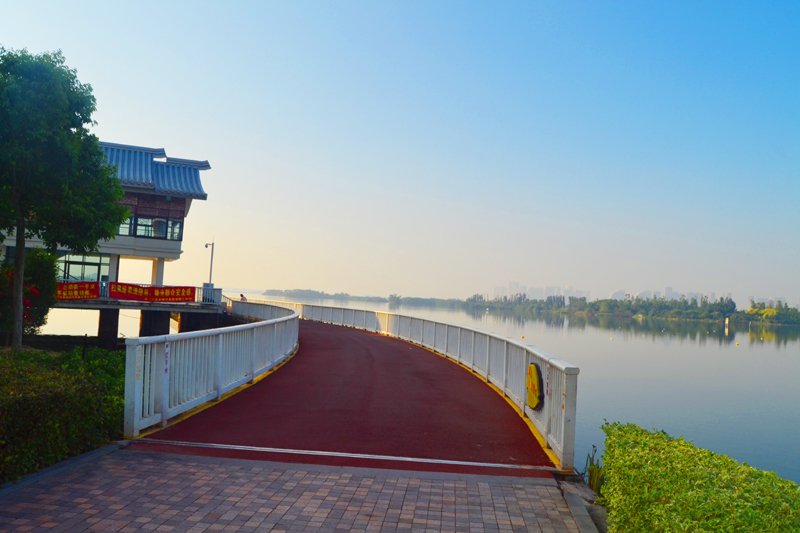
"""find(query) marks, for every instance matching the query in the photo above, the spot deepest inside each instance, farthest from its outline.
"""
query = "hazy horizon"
(439, 150)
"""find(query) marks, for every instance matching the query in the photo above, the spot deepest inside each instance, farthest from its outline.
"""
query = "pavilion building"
(159, 191)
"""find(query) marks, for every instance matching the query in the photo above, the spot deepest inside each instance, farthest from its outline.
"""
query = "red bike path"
(356, 392)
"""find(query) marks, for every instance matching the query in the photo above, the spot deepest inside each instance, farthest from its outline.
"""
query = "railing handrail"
(207, 332)
(557, 362)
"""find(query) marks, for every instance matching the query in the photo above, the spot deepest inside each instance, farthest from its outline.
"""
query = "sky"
(441, 149)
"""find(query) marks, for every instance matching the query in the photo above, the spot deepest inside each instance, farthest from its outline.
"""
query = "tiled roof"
(136, 167)
(178, 180)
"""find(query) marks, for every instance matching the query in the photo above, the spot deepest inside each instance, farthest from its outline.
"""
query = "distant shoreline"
(629, 308)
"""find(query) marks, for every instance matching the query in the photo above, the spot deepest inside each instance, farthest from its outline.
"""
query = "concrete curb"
(64, 465)
(356, 470)
(579, 513)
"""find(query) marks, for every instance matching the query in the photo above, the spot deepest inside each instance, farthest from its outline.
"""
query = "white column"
(113, 268)
(157, 277)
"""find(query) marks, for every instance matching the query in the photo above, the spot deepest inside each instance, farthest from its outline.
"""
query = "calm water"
(687, 379)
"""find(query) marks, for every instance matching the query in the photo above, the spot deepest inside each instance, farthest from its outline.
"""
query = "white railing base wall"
(169, 374)
(499, 360)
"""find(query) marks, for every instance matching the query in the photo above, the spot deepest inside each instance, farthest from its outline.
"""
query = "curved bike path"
(356, 392)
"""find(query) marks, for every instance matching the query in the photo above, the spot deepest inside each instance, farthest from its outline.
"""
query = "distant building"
(619, 295)
(552, 291)
(535, 293)
(500, 293)
(669, 294)
(644, 295)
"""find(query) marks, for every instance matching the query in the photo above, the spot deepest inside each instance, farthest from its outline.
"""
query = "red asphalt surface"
(351, 391)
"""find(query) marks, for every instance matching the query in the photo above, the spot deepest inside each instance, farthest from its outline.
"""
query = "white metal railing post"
(505, 369)
(446, 338)
(273, 350)
(253, 357)
(472, 356)
(488, 356)
(458, 347)
(165, 389)
(570, 409)
(160, 382)
(548, 405)
(218, 373)
(133, 390)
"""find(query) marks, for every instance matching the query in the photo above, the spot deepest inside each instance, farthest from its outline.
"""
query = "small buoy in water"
(642, 335)
(737, 344)
(612, 338)
(523, 336)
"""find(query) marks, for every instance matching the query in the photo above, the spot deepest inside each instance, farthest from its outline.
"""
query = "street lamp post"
(211, 268)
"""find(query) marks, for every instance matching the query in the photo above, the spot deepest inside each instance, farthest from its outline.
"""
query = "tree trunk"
(19, 278)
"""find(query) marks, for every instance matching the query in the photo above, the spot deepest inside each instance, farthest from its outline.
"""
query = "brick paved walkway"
(135, 491)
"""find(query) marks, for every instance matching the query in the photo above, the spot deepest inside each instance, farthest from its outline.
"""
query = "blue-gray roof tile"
(136, 167)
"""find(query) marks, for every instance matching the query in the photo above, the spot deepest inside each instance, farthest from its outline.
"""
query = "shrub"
(45, 416)
(658, 483)
(56, 406)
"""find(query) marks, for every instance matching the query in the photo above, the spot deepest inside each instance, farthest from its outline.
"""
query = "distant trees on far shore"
(683, 309)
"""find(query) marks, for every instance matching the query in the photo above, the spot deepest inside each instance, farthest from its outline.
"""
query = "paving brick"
(132, 491)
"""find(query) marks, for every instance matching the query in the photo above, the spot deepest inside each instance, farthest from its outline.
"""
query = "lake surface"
(685, 378)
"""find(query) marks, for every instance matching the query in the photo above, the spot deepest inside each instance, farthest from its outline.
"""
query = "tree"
(39, 293)
(55, 182)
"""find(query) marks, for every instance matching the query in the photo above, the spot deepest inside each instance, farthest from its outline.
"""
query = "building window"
(144, 227)
(175, 230)
(83, 267)
(154, 228)
(126, 228)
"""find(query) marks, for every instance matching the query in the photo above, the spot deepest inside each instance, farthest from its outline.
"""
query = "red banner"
(83, 290)
(126, 291)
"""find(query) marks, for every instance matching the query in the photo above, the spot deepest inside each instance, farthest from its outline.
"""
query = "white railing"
(170, 374)
(501, 361)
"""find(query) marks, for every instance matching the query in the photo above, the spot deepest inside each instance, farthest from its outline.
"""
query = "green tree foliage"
(39, 290)
(55, 183)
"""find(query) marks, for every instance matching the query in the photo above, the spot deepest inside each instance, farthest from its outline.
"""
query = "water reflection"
(682, 330)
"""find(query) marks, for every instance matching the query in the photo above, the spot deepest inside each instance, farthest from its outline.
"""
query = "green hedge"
(658, 483)
(56, 406)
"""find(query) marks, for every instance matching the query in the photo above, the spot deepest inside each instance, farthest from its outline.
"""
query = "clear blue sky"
(440, 149)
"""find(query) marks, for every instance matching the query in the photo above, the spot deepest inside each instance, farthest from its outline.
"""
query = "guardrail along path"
(357, 392)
